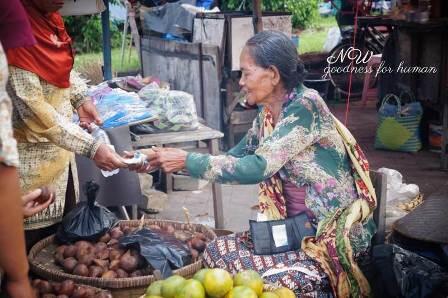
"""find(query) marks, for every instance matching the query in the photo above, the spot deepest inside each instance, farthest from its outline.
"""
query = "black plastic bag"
(402, 273)
(162, 251)
(87, 221)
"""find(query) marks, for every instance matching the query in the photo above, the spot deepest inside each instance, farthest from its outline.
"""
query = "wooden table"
(203, 134)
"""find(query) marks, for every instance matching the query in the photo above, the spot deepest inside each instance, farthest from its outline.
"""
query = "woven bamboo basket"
(42, 263)
(97, 290)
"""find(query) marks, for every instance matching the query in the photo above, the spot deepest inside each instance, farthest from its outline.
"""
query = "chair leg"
(365, 89)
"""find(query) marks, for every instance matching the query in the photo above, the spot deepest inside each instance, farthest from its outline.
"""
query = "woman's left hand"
(168, 159)
(88, 114)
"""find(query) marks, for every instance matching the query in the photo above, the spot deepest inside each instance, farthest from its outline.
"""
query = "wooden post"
(258, 24)
(444, 99)
(107, 51)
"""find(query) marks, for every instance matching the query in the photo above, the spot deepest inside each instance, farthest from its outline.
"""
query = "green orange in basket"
(200, 275)
(217, 282)
(285, 293)
(241, 292)
(155, 289)
(250, 279)
(171, 285)
(191, 289)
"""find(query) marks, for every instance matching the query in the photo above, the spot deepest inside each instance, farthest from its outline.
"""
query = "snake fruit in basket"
(106, 259)
(66, 288)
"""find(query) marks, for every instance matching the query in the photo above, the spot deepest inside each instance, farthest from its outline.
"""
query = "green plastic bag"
(399, 125)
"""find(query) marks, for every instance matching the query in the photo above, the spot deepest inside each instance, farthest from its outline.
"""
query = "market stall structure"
(198, 68)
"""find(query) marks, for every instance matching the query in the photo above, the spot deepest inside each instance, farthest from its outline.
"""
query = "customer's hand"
(107, 159)
(168, 159)
(19, 288)
(36, 201)
(144, 167)
(88, 114)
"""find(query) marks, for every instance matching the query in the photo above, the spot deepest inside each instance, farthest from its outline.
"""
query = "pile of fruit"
(215, 283)
(65, 289)
(106, 259)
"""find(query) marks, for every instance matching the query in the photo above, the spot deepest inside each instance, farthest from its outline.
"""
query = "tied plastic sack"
(87, 221)
(175, 110)
(163, 252)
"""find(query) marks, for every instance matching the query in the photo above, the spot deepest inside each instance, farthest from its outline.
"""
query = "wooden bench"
(203, 134)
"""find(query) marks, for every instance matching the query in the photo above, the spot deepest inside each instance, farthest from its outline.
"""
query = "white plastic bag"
(397, 193)
(396, 189)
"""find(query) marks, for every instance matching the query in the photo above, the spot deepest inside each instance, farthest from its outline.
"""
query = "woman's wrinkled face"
(49, 5)
(257, 82)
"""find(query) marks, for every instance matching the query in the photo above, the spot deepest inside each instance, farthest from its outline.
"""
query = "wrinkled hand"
(32, 202)
(107, 159)
(20, 288)
(88, 114)
(143, 167)
(168, 159)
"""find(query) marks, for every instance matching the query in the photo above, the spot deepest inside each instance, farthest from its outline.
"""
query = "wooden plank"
(202, 133)
(178, 64)
(209, 31)
(243, 116)
(244, 29)
(282, 23)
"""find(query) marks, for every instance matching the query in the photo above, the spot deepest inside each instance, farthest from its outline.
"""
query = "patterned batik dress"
(305, 149)
(47, 138)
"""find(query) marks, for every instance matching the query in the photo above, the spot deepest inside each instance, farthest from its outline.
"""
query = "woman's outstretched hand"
(143, 167)
(168, 159)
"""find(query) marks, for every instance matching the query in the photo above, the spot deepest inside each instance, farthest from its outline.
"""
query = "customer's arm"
(43, 120)
(297, 130)
(12, 240)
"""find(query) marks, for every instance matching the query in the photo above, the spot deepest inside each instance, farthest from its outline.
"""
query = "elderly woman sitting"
(305, 161)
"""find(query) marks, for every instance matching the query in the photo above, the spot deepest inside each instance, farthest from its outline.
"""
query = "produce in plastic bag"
(87, 221)
(175, 110)
(118, 107)
(162, 251)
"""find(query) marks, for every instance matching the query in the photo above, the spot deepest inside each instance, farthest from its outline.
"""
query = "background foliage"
(303, 11)
(87, 34)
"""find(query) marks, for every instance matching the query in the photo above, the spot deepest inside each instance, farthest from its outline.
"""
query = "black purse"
(279, 236)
